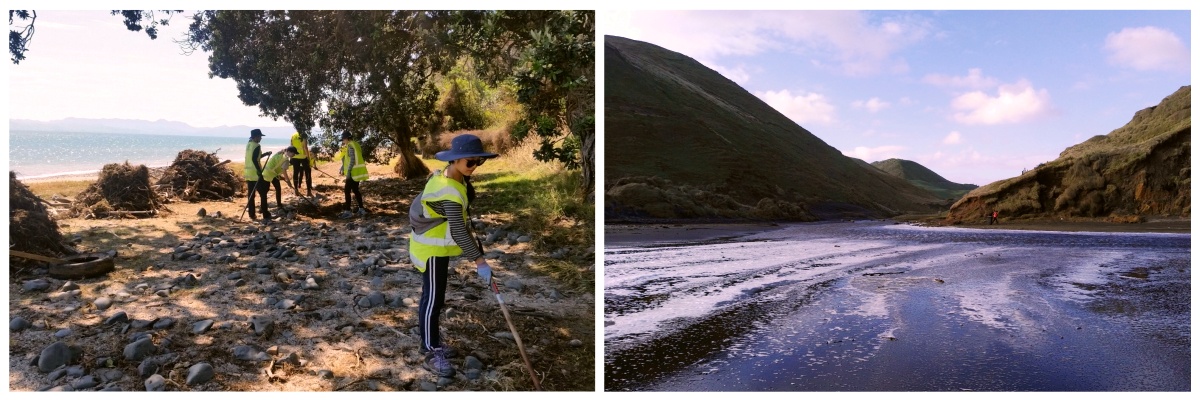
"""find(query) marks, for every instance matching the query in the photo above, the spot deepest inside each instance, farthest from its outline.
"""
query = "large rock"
(56, 355)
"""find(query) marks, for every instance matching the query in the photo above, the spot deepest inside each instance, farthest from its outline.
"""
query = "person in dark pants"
(441, 226)
(253, 172)
(277, 166)
(995, 217)
(302, 163)
(355, 171)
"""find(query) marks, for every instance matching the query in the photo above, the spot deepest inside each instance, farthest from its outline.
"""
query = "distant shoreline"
(86, 176)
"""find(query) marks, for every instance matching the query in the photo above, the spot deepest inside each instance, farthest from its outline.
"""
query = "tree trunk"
(410, 166)
(587, 163)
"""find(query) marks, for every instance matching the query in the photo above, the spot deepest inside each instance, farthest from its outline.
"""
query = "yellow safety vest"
(437, 242)
(275, 167)
(357, 169)
(298, 143)
(249, 172)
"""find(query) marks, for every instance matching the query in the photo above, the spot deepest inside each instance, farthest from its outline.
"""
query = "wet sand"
(868, 306)
(626, 234)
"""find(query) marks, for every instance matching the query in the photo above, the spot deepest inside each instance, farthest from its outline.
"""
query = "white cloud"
(953, 138)
(1013, 103)
(802, 108)
(1147, 49)
(974, 80)
(872, 154)
(873, 105)
(849, 41)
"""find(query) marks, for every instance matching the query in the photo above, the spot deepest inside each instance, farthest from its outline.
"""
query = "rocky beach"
(203, 299)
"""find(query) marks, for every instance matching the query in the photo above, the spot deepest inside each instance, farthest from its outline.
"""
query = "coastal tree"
(365, 72)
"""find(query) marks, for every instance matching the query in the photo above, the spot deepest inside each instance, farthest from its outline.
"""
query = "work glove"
(265, 154)
(485, 273)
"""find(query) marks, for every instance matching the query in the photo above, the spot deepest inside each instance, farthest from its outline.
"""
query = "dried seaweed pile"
(122, 190)
(30, 227)
(199, 176)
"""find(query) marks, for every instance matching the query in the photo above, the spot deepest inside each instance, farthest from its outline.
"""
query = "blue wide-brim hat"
(464, 146)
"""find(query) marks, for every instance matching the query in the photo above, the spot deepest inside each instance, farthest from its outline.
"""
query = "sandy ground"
(323, 338)
(870, 306)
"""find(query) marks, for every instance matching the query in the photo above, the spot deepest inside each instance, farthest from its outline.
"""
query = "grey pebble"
(18, 324)
(148, 367)
(62, 333)
(138, 350)
(472, 363)
(110, 374)
(164, 323)
(85, 382)
(56, 355)
(200, 373)
(103, 303)
(428, 386)
(202, 326)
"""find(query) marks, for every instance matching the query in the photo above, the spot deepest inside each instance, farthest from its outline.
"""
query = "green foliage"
(542, 203)
(135, 20)
(549, 57)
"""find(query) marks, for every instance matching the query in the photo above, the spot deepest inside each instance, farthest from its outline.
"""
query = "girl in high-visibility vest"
(442, 230)
(355, 170)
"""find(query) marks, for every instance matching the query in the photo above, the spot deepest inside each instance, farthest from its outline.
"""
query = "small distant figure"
(995, 217)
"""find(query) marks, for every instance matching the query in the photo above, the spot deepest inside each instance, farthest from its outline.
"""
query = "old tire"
(83, 266)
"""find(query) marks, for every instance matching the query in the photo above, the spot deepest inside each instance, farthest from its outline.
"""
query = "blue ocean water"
(34, 154)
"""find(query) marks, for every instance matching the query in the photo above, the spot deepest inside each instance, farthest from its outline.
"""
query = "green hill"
(683, 142)
(1140, 170)
(924, 178)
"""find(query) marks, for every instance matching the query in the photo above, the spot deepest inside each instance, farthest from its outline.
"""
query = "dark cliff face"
(1140, 170)
(682, 141)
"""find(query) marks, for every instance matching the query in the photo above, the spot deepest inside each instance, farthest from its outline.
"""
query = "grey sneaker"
(362, 211)
(437, 363)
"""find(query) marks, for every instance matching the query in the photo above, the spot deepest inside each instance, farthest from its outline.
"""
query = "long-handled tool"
(513, 329)
(289, 183)
(328, 175)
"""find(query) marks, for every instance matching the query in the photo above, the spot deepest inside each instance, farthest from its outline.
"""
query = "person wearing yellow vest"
(253, 174)
(355, 170)
(301, 163)
(441, 230)
(277, 166)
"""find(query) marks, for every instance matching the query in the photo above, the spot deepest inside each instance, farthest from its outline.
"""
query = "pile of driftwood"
(122, 190)
(199, 176)
(31, 229)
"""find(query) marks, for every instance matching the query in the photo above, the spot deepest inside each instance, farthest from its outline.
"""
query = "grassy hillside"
(1140, 170)
(682, 141)
(924, 178)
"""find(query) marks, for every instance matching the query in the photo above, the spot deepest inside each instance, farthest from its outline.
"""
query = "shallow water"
(877, 307)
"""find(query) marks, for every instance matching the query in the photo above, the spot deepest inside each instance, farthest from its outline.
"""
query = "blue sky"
(86, 64)
(976, 96)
